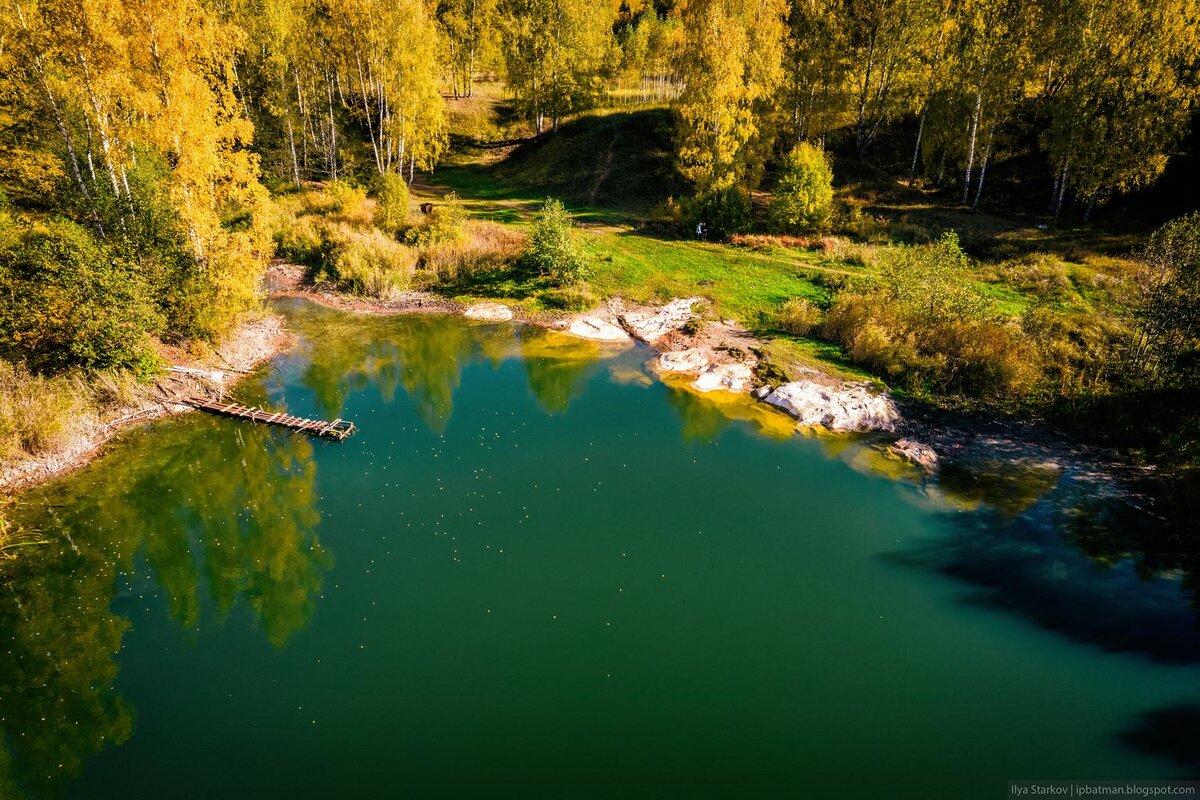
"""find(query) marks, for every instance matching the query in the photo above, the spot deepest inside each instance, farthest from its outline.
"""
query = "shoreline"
(956, 437)
(252, 343)
(919, 429)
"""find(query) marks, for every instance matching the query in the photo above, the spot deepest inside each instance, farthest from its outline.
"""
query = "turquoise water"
(536, 572)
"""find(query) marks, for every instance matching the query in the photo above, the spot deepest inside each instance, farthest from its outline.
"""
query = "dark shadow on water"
(1171, 732)
(1086, 565)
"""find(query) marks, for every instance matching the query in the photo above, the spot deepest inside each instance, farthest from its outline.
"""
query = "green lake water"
(536, 572)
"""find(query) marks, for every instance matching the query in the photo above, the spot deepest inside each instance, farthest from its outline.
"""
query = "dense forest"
(150, 151)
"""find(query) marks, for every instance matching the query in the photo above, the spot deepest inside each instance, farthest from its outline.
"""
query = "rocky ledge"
(819, 399)
(650, 325)
(597, 329)
(489, 312)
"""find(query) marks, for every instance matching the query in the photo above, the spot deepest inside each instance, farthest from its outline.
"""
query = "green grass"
(609, 168)
(745, 285)
(486, 196)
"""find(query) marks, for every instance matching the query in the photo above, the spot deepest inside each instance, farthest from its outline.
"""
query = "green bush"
(723, 212)
(70, 301)
(392, 199)
(446, 224)
(803, 199)
(799, 316)
(925, 327)
(553, 250)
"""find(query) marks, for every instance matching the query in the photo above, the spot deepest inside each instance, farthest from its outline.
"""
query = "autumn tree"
(556, 54)
(731, 68)
(152, 138)
(1166, 350)
(1120, 93)
(994, 59)
(471, 38)
(803, 198)
(884, 39)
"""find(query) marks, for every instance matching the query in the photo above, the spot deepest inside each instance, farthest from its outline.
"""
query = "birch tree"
(1120, 89)
(471, 37)
(556, 54)
(731, 68)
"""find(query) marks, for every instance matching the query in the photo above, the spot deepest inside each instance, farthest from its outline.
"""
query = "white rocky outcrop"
(597, 329)
(726, 377)
(489, 312)
(837, 405)
(651, 325)
(695, 359)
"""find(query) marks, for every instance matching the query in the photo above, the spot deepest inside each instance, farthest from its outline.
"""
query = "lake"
(538, 572)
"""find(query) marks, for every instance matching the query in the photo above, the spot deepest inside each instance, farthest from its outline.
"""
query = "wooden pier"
(339, 429)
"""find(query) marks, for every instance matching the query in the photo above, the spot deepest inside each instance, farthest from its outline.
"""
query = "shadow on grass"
(516, 283)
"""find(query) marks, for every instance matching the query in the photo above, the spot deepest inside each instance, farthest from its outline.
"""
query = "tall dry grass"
(484, 247)
(338, 234)
(40, 414)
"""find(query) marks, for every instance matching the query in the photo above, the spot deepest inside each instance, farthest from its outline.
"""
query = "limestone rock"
(489, 312)
(920, 454)
(696, 359)
(839, 406)
(728, 377)
(597, 329)
(652, 325)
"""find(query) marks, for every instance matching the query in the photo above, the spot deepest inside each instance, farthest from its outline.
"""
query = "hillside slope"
(622, 161)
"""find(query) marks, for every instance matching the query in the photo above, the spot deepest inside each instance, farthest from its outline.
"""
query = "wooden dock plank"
(338, 429)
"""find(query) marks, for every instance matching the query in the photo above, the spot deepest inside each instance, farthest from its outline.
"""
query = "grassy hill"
(621, 161)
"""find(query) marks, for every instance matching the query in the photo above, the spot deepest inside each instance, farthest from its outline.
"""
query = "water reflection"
(558, 367)
(224, 515)
(426, 354)
(57, 668)
(207, 504)
(706, 414)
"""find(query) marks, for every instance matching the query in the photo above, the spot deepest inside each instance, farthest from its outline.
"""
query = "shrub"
(299, 241)
(723, 212)
(925, 326)
(553, 250)
(1168, 346)
(445, 223)
(799, 316)
(369, 263)
(392, 199)
(346, 199)
(71, 301)
(933, 279)
(803, 199)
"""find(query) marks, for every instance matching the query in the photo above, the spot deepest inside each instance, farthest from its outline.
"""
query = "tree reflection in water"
(198, 501)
